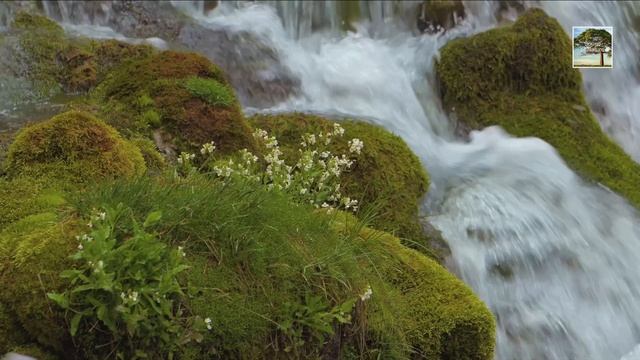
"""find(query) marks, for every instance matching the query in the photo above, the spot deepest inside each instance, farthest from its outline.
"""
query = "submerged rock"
(520, 77)
(437, 15)
(253, 67)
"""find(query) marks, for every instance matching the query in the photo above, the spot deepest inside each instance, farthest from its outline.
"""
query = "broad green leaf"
(75, 322)
(152, 219)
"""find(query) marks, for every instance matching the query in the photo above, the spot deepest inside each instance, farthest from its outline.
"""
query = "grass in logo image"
(592, 46)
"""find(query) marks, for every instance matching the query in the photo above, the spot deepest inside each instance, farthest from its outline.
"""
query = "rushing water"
(555, 258)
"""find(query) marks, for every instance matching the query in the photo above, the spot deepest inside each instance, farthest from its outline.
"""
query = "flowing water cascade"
(555, 258)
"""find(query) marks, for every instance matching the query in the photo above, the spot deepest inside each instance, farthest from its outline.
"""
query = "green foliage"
(73, 146)
(211, 91)
(387, 178)
(313, 320)
(124, 284)
(520, 77)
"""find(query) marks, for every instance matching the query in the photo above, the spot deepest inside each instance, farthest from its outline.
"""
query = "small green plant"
(125, 285)
(312, 321)
(211, 91)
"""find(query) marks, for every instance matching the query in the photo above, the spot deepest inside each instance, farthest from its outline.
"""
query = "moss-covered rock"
(11, 333)
(386, 178)
(182, 96)
(56, 62)
(40, 40)
(437, 15)
(520, 77)
(74, 146)
(33, 252)
(418, 308)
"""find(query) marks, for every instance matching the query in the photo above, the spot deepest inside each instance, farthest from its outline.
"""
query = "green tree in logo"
(595, 41)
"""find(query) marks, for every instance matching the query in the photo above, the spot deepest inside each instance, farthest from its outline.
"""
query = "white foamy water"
(555, 258)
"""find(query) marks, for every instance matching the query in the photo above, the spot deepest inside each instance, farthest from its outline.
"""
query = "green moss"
(520, 77)
(33, 251)
(152, 158)
(40, 40)
(57, 62)
(211, 91)
(386, 178)
(74, 146)
(24, 196)
(182, 94)
(418, 309)
(11, 333)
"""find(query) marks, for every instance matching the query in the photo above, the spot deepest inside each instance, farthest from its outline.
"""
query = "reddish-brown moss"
(158, 93)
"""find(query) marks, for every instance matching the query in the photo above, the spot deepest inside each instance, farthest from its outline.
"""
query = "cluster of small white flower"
(207, 322)
(185, 158)
(313, 179)
(367, 294)
(181, 251)
(129, 297)
(208, 148)
(355, 145)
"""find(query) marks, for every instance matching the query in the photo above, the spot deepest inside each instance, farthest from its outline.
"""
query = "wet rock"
(254, 69)
(434, 16)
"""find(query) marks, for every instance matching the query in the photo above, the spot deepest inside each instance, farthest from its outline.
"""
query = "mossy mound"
(33, 252)
(420, 305)
(74, 146)
(386, 176)
(520, 77)
(183, 97)
(57, 62)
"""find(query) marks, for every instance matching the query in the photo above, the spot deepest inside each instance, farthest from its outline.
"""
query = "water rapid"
(555, 258)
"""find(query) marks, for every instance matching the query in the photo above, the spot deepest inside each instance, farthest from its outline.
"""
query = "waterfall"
(555, 258)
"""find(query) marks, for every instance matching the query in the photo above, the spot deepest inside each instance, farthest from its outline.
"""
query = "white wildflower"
(207, 321)
(338, 129)
(80, 247)
(355, 145)
(102, 215)
(367, 294)
(303, 191)
(181, 251)
(208, 148)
